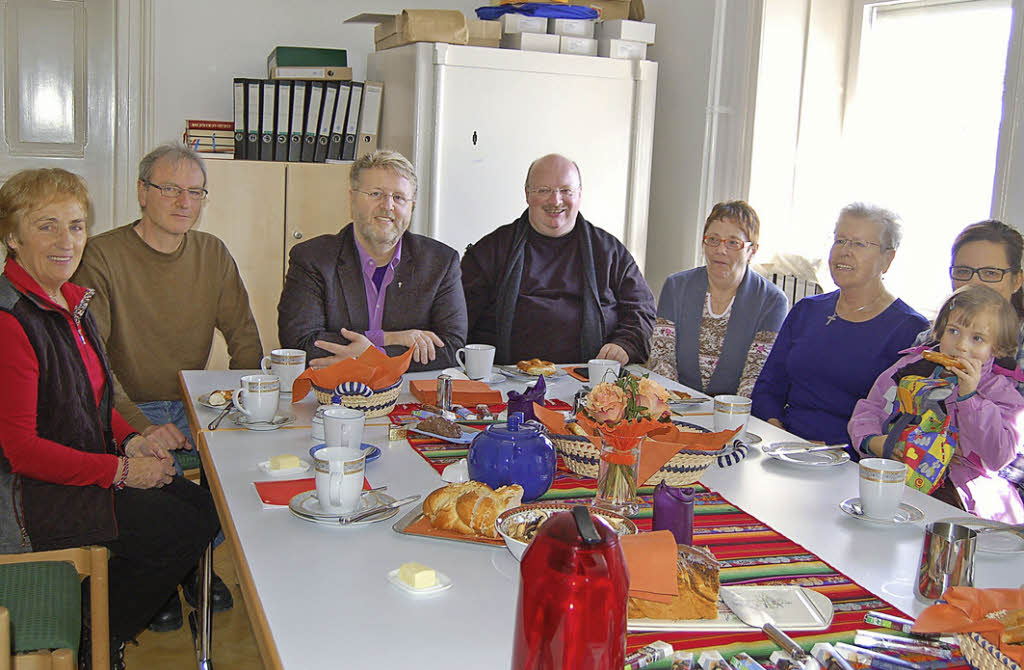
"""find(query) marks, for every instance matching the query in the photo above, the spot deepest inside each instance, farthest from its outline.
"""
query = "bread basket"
(983, 655)
(357, 395)
(581, 456)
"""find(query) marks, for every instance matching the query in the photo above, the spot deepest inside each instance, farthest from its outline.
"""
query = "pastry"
(942, 359)
(536, 366)
(697, 576)
(219, 398)
(470, 508)
(439, 426)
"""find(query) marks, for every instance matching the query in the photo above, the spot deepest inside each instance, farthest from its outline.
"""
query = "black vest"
(39, 515)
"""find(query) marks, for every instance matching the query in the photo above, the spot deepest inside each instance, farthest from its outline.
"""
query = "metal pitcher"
(947, 559)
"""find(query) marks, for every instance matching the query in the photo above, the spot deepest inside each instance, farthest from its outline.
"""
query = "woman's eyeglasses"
(988, 275)
(730, 243)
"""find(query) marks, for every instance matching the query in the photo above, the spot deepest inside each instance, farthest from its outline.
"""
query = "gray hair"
(890, 230)
(173, 152)
(385, 160)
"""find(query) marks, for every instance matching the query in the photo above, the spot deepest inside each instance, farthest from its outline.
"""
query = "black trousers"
(162, 532)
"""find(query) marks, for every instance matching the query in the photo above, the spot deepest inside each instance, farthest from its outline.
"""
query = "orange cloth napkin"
(465, 392)
(373, 367)
(552, 420)
(964, 612)
(651, 561)
(661, 445)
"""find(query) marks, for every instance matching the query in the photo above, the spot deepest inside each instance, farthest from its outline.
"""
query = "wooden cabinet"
(260, 211)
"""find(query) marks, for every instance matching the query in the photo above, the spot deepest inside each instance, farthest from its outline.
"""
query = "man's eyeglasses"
(859, 245)
(988, 275)
(730, 243)
(174, 192)
(547, 191)
(378, 195)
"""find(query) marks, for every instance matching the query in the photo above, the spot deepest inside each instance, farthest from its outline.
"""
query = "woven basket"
(581, 456)
(356, 395)
(983, 655)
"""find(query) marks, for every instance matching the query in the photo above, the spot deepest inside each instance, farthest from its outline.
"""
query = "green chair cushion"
(45, 604)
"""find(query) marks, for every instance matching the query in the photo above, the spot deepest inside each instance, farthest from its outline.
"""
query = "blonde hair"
(29, 190)
(384, 160)
(972, 300)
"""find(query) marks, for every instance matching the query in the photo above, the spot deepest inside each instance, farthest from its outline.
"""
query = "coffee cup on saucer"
(338, 473)
(343, 427)
(881, 487)
(476, 360)
(602, 370)
(287, 364)
(258, 397)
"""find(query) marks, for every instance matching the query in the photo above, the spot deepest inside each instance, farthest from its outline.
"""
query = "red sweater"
(29, 454)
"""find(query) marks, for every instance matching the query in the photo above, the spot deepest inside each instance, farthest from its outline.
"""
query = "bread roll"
(470, 508)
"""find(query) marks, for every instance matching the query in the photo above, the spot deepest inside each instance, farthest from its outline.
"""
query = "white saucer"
(458, 373)
(443, 584)
(302, 467)
(306, 506)
(245, 422)
(751, 438)
(814, 459)
(905, 513)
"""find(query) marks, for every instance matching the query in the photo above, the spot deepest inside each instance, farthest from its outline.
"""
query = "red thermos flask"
(573, 587)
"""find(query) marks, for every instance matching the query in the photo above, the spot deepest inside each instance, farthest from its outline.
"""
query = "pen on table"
(875, 658)
(883, 620)
(873, 640)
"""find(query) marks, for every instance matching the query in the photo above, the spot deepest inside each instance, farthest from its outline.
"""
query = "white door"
(58, 100)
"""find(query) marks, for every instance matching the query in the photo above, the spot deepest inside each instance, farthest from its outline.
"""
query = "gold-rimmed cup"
(287, 364)
(881, 487)
(731, 412)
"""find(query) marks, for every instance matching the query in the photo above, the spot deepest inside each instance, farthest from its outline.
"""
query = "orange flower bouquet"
(623, 413)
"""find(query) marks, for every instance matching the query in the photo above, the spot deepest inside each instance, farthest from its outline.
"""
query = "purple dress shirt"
(376, 280)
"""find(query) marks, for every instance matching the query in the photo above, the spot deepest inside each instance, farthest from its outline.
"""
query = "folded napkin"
(651, 561)
(465, 392)
(964, 612)
(523, 402)
(279, 493)
(552, 420)
(372, 367)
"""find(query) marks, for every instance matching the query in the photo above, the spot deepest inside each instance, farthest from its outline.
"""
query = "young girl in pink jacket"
(978, 328)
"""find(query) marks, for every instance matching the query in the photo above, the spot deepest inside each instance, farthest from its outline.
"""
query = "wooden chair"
(36, 578)
(795, 289)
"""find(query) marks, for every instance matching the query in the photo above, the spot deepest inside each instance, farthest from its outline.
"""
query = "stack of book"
(216, 138)
(308, 63)
(305, 120)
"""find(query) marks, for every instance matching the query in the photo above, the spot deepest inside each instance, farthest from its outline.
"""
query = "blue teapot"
(513, 453)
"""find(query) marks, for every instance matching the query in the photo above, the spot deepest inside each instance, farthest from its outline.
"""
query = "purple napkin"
(523, 402)
(673, 510)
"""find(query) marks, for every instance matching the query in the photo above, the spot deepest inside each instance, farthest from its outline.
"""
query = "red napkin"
(372, 367)
(279, 493)
(651, 561)
(465, 392)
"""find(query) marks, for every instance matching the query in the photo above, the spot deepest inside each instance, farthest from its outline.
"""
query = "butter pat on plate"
(284, 462)
(284, 465)
(418, 579)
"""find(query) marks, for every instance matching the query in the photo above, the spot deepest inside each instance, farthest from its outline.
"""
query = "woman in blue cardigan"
(717, 323)
(832, 347)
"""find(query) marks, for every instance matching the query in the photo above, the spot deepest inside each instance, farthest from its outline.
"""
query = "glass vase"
(617, 472)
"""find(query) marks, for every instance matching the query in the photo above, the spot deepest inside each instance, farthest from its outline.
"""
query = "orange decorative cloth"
(465, 392)
(651, 560)
(372, 367)
(964, 612)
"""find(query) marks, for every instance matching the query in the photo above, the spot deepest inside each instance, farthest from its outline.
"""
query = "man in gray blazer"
(374, 283)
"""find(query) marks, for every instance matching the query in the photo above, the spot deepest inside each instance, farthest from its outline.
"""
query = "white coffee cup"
(343, 427)
(258, 397)
(286, 364)
(476, 360)
(881, 487)
(731, 412)
(602, 370)
(338, 472)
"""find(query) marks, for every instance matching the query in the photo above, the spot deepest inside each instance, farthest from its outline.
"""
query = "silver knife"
(800, 448)
(760, 619)
(345, 520)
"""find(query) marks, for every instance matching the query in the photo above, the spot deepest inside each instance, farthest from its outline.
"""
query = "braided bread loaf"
(470, 508)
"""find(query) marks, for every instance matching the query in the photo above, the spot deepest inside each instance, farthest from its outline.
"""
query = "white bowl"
(517, 547)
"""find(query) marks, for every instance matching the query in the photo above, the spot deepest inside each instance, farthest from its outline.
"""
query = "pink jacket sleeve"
(990, 422)
(871, 412)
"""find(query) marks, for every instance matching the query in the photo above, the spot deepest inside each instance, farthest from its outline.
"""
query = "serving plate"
(515, 373)
(493, 377)
(204, 400)
(412, 520)
(467, 435)
(788, 452)
(244, 421)
(792, 608)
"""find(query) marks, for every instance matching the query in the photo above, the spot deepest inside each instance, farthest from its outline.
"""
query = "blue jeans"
(160, 412)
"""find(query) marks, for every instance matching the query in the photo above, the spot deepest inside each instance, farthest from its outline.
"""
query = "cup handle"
(236, 401)
(461, 361)
(265, 364)
(336, 479)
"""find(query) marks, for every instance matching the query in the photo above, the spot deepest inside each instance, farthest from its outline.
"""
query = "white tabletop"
(322, 590)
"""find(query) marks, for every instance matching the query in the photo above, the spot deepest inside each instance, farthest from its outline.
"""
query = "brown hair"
(972, 300)
(31, 189)
(740, 213)
(1008, 238)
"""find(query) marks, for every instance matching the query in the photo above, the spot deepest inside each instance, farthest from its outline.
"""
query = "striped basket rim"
(983, 655)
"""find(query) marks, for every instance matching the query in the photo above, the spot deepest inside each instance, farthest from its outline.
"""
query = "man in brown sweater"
(161, 291)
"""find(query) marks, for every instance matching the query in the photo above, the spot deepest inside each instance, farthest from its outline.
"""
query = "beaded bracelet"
(122, 481)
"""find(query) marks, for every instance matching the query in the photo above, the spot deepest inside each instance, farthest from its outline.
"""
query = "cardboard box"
(609, 9)
(571, 27)
(580, 46)
(484, 33)
(624, 49)
(520, 23)
(421, 25)
(621, 29)
(531, 42)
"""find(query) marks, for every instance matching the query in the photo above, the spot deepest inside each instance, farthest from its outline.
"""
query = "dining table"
(318, 595)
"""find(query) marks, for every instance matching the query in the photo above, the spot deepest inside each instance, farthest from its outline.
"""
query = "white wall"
(201, 45)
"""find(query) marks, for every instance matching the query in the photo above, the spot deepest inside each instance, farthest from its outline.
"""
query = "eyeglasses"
(988, 275)
(174, 192)
(730, 243)
(859, 245)
(378, 195)
(547, 191)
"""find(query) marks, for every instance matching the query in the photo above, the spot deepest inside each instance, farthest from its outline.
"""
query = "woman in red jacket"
(73, 471)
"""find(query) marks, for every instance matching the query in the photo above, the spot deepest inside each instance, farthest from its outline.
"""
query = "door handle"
(297, 234)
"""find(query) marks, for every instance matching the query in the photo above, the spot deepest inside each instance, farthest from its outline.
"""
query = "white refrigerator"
(473, 118)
